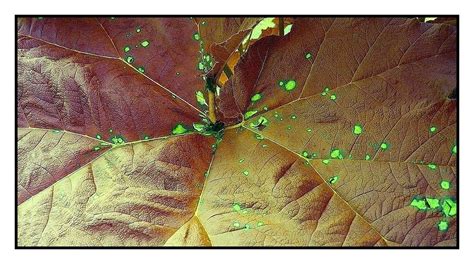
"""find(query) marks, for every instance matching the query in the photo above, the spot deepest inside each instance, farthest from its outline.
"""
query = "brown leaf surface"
(336, 159)
(390, 76)
(134, 195)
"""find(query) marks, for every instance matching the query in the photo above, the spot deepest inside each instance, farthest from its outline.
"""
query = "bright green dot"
(256, 97)
(250, 113)
(258, 136)
(247, 226)
(443, 225)
(367, 157)
(281, 83)
(290, 85)
(146, 137)
(326, 89)
(126, 49)
(265, 108)
(104, 144)
(129, 59)
(357, 129)
(236, 224)
(293, 116)
(384, 146)
(333, 179)
(432, 129)
(179, 129)
(433, 203)
(288, 127)
(141, 69)
(196, 36)
(324, 93)
(110, 130)
(259, 223)
(449, 207)
(96, 148)
(236, 207)
(245, 172)
(138, 30)
(336, 153)
(445, 185)
(314, 155)
(145, 43)
(305, 154)
(120, 140)
(56, 131)
(432, 166)
(420, 204)
(98, 136)
(308, 56)
(333, 97)
(199, 127)
(326, 161)
(241, 160)
(454, 150)
(309, 130)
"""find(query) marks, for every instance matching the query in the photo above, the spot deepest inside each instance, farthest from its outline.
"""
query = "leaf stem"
(212, 108)
(281, 26)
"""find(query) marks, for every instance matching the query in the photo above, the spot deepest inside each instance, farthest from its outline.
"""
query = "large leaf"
(339, 133)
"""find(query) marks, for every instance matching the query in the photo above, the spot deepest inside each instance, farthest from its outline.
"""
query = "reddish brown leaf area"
(74, 75)
(399, 56)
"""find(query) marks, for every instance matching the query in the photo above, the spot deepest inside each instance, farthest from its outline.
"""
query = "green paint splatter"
(259, 223)
(127, 49)
(305, 153)
(293, 116)
(333, 97)
(145, 137)
(259, 137)
(333, 179)
(96, 148)
(443, 225)
(179, 129)
(433, 203)
(247, 227)
(261, 123)
(367, 157)
(199, 127)
(196, 36)
(138, 30)
(432, 129)
(110, 130)
(265, 108)
(129, 59)
(419, 203)
(56, 131)
(384, 146)
(117, 140)
(449, 207)
(357, 129)
(249, 114)
(454, 150)
(236, 207)
(309, 130)
(287, 85)
(432, 166)
(98, 136)
(236, 224)
(336, 153)
(241, 160)
(308, 56)
(288, 127)
(245, 172)
(445, 185)
(200, 98)
(326, 161)
(145, 43)
(141, 69)
(256, 97)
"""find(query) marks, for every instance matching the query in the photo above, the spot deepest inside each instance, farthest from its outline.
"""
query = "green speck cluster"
(357, 129)
(287, 85)
(336, 154)
(256, 97)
